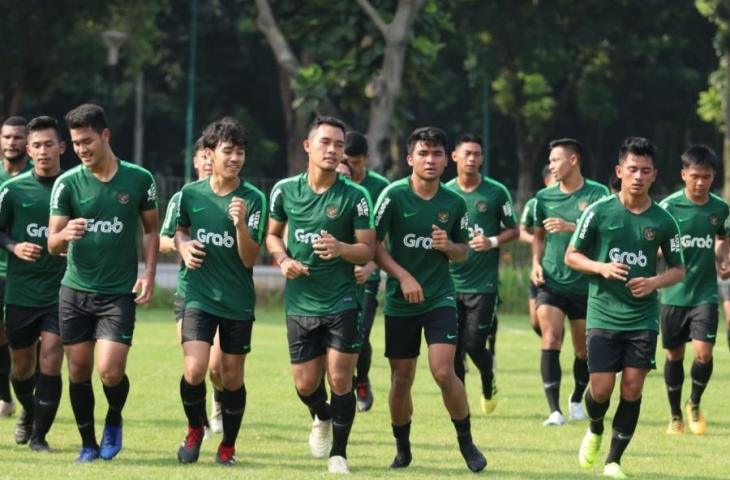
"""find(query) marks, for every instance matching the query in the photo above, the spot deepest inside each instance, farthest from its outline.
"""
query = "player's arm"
(62, 230)
(526, 235)
(643, 286)
(290, 267)
(722, 256)
(145, 284)
(167, 244)
(362, 251)
(579, 261)
(248, 248)
(363, 272)
(481, 243)
(412, 291)
(457, 252)
(538, 249)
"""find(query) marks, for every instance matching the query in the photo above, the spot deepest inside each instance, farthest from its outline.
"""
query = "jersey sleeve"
(722, 229)
(671, 246)
(460, 229)
(538, 212)
(507, 210)
(383, 214)
(585, 232)
(362, 214)
(169, 224)
(6, 207)
(149, 198)
(183, 215)
(528, 214)
(276, 205)
(256, 211)
(61, 198)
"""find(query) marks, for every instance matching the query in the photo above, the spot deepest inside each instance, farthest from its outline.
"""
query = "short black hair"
(87, 115)
(700, 155)
(198, 145)
(432, 136)
(326, 120)
(355, 144)
(467, 138)
(570, 144)
(15, 121)
(638, 146)
(545, 171)
(614, 182)
(226, 129)
(44, 122)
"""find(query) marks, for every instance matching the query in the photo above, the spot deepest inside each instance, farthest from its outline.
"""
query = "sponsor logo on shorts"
(450, 336)
(413, 241)
(628, 258)
(123, 198)
(104, 226)
(215, 239)
(649, 233)
(36, 231)
(689, 241)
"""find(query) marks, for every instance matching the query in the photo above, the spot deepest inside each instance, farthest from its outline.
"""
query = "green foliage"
(711, 103)
(526, 97)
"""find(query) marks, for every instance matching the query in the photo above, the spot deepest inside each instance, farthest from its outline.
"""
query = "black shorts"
(369, 306)
(25, 324)
(533, 290)
(234, 335)
(2, 300)
(574, 306)
(310, 336)
(403, 334)
(476, 315)
(86, 316)
(682, 324)
(612, 350)
(178, 306)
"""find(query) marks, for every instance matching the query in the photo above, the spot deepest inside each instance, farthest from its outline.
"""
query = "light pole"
(113, 39)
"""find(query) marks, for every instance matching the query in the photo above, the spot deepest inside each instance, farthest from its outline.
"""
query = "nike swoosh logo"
(408, 214)
(621, 436)
(450, 336)
(355, 345)
(550, 385)
(126, 337)
(614, 227)
(682, 220)
(86, 200)
(482, 327)
(198, 209)
(26, 205)
(710, 335)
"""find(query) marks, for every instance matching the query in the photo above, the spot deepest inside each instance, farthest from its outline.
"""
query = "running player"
(329, 220)
(31, 297)
(689, 308)
(220, 232)
(561, 291)
(615, 245)
(492, 223)
(425, 225)
(367, 276)
(96, 208)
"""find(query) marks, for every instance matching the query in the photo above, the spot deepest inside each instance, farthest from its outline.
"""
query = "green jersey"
(4, 177)
(608, 232)
(24, 203)
(104, 260)
(551, 202)
(374, 184)
(528, 214)
(406, 220)
(345, 207)
(698, 227)
(169, 226)
(223, 285)
(489, 209)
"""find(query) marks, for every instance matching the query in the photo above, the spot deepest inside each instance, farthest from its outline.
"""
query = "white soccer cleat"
(7, 408)
(320, 439)
(554, 420)
(576, 411)
(216, 417)
(337, 464)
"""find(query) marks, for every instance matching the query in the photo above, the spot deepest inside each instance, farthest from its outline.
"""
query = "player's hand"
(537, 275)
(326, 246)
(362, 272)
(439, 238)
(641, 286)
(143, 287)
(558, 225)
(291, 268)
(412, 291)
(29, 252)
(237, 211)
(480, 243)
(615, 271)
(74, 229)
(192, 253)
(723, 270)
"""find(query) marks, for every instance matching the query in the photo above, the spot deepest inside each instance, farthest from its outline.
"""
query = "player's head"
(45, 144)
(325, 143)
(699, 167)
(89, 133)
(636, 166)
(201, 161)
(13, 138)
(356, 148)
(565, 157)
(614, 183)
(468, 153)
(343, 168)
(427, 152)
(224, 142)
(547, 176)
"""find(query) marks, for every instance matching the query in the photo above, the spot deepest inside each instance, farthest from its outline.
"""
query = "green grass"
(273, 444)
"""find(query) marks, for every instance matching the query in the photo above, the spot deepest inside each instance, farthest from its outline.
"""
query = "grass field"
(273, 443)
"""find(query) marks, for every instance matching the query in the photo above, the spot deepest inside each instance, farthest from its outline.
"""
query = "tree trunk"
(525, 164)
(726, 139)
(296, 127)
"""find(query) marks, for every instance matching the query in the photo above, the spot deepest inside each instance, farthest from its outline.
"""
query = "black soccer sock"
(596, 411)
(402, 434)
(82, 404)
(317, 402)
(233, 403)
(343, 414)
(673, 380)
(193, 400)
(492, 339)
(624, 425)
(459, 362)
(580, 377)
(116, 397)
(484, 361)
(5, 373)
(47, 397)
(701, 373)
(364, 360)
(463, 434)
(551, 374)
(24, 394)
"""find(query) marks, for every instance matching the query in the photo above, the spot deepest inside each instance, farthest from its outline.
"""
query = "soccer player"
(615, 245)
(13, 141)
(689, 308)
(492, 223)
(96, 208)
(561, 291)
(425, 225)
(221, 225)
(526, 223)
(34, 277)
(330, 229)
(367, 276)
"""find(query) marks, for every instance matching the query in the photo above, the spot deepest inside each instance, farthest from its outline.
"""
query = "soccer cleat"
(39, 445)
(589, 449)
(7, 408)
(216, 417)
(225, 455)
(489, 404)
(111, 441)
(576, 411)
(87, 455)
(676, 426)
(613, 470)
(554, 420)
(697, 423)
(23, 428)
(189, 451)
(337, 464)
(207, 433)
(320, 438)
(402, 459)
(364, 396)
(475, 460)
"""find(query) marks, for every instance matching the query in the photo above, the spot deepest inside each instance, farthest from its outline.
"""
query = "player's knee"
(111, 376)
(444, 376)
(215, 377)
(703, 357)
(50, 362)
(79, 371)
(22, 369)
(401, 382)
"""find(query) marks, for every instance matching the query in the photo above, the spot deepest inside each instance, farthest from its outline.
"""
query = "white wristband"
(493, 241)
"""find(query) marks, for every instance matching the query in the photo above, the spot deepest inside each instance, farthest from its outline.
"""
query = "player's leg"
(703, 330)
(22, 331)
(48, 384)
(551, 315)
(580, 368)
(7, 406)
(477, 325)
(363, 387)
(532, 308)
(726, 309)
(214, 373)
(461, 319)
(675, 334)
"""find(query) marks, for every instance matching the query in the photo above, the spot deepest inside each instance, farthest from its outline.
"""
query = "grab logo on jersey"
(104, 226)
(215, 239)
(412, 241)
(628, 258)
(36, 231)
(584, 226)
(475, 231)
(302, 236)
(697, 242)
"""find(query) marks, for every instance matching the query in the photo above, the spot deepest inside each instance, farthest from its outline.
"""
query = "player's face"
(325, 147)
(356, 161)
(45, 148)
(637, 174)
(468, 157)
(228, 159)
(202, 164)
(343, 169)
(549, 180)
(428, 160)
(698, 179)
(12, 142)
(89, 145)
(561, 163)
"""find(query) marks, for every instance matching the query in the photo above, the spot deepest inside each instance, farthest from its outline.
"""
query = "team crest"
(331, 211)
(443, 217)
(123, 198)
(481, 206)
(582, 205)
(649, 233)
(714, 220)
